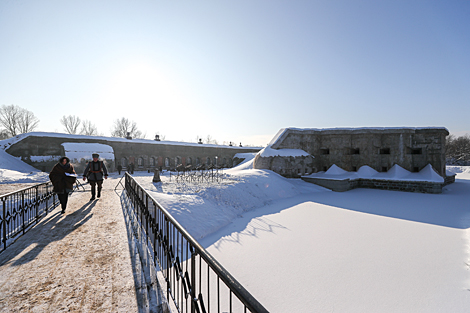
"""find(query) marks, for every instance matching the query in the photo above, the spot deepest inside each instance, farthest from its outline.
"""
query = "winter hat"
(95, 155)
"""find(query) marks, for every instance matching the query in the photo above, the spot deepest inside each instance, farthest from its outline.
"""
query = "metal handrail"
(168, 240)
(22, 208)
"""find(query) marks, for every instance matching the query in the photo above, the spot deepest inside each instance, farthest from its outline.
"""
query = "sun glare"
(141, 85)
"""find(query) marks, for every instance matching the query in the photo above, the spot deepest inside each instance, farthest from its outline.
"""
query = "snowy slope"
(13, 170)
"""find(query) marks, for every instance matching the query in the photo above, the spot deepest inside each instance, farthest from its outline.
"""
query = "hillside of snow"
(13, 170)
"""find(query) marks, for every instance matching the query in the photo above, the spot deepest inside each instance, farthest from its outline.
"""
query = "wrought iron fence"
(22, 208)
(194, 280)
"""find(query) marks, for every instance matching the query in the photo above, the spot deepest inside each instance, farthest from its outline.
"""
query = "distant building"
(296, 152)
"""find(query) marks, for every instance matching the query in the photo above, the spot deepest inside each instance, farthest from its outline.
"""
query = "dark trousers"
(93, 183)
(63, 198)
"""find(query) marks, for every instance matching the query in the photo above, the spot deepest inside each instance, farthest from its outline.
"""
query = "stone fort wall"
(43, 150)
(379, 148)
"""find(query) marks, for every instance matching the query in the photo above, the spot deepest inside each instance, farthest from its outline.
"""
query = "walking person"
(63, 177)
(119, 168)
(95, 171)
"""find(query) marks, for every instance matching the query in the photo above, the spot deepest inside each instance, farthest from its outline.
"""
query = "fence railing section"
(22, 208)
(194, 280)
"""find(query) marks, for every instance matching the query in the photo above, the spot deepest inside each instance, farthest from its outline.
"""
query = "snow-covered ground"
(13, 171)
(298, 247)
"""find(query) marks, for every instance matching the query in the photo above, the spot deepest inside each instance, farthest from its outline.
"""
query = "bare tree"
(458, 150)
(71, 123)
(89, 129)
(123, 126)
(17, 120)
(210, 140)
(28, 122)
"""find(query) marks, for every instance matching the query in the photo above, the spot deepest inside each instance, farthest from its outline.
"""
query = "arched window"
(208, 161)
(140, 162)
(152, 162)
(224, 162)
(167, 162)
(124, 162)
(189, 161)
(198, 161)
(177, 161)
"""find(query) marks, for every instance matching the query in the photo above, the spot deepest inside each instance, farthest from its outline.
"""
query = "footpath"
(81, 261)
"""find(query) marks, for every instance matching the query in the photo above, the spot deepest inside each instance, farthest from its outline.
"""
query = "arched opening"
(167, 162)
(124, 162)
(189, 161)
(152, 162)
(177, 161)
(198, 161)
(208, 161)
(140, 162)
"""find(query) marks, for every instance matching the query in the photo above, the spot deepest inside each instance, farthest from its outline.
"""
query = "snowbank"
(13, 170)
(397, 173)
(203, 209)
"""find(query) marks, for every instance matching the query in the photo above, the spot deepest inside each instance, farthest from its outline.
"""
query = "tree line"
(458, 150)
(15, 120)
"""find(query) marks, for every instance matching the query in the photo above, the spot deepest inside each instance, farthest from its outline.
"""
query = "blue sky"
(238, 70)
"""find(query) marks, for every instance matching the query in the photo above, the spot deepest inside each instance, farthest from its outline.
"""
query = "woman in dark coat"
(63, 177)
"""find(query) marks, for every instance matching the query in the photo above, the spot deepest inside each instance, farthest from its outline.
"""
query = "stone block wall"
(379, 148)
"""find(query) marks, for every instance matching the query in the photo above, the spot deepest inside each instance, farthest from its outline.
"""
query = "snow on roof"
(8, 142)
(281, 132)
(84, 150)
(397, 173)
(270, 152)
(335, 170)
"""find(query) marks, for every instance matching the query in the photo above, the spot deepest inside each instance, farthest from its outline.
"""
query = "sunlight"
(142, 85)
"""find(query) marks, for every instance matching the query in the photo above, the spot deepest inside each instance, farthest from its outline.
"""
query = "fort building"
(297, 152)
(43, 150)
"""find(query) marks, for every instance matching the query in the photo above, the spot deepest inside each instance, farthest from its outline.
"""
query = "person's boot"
(99, 193)
(92, 195)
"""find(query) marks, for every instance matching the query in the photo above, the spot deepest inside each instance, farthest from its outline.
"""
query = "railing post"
(37, 204)
(23, 211)
(4, 224)
(193, 280)
(168, 261)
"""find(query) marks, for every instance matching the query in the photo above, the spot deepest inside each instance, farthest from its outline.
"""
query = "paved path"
(77, 262)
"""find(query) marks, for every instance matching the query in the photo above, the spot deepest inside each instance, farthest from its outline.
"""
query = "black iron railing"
(194, 280)
(22, 208)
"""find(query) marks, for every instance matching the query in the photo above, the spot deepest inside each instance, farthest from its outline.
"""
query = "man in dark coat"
(95, 171)
(63, 177)
(119, 168)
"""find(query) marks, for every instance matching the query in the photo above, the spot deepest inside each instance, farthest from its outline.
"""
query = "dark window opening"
(354, 169)
(415, 169)
(384, 169)
(385, 151)
(415, 150)
(324, 168)
(325, 151)
(355, 151)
